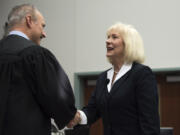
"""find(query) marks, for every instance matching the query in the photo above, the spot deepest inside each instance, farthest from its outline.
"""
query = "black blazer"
(33, 89)
(131, 107)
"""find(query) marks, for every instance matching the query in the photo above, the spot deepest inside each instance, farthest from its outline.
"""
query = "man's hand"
(75, 121)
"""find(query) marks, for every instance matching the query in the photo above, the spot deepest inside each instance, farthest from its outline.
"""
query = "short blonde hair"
(134, 48)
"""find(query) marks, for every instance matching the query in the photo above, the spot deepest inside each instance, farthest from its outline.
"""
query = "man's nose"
(44, 34)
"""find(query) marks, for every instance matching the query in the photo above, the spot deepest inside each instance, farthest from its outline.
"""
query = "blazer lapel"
(119, 83)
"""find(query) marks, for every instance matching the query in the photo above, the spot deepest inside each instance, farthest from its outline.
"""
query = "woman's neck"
(117, 65)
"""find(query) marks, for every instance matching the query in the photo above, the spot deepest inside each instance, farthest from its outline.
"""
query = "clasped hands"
(76, 120)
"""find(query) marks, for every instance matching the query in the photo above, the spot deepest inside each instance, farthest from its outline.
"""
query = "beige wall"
(76, 30)
(156, 20)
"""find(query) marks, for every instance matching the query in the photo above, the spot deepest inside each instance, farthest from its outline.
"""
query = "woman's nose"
(108, 41)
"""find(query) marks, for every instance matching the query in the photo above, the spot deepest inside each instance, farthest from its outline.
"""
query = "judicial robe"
(130, 108)
(33, 89)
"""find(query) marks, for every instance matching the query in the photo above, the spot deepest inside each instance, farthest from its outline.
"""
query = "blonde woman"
(126, 95)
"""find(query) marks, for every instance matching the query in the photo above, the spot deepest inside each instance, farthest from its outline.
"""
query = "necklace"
(115, 72)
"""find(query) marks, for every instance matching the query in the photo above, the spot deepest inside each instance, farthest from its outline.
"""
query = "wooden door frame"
(79, 86)
(80, 76)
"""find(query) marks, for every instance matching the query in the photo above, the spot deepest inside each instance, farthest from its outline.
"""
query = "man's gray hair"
(17, 14)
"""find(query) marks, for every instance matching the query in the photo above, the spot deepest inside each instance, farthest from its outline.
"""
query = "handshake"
(75, 121)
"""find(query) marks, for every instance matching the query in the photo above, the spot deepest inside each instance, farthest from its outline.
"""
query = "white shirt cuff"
(83, 118)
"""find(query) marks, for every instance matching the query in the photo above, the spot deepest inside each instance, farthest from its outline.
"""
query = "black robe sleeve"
(52, 88)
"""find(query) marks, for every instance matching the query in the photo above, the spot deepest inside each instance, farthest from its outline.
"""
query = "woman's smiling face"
(115, 45)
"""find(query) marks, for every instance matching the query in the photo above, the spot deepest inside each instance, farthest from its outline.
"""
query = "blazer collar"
(124, 69)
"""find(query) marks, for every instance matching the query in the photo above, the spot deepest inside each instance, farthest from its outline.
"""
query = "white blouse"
(124, 69)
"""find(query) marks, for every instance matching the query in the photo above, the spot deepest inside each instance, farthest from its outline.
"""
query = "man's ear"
(29, 21)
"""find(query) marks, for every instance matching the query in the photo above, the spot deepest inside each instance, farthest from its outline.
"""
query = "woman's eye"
(114, 37)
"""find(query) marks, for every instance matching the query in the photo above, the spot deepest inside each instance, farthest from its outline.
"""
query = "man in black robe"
(33, 86)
